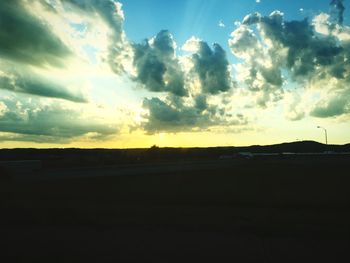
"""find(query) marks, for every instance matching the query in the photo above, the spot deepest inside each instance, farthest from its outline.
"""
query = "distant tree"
(154, 147)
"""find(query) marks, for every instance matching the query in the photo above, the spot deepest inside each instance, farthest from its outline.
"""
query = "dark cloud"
(30, 118)
(30, 83)
(175, 116)
(157, 67)
(26, 39)
(272, 76)
(306, 50)
(212, 67)
(201, 102)
(15, 137)
(339, 8)
(335, 105)
(185, 109)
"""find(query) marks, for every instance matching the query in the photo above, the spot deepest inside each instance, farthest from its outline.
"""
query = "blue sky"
(200, 18)
(78, 73)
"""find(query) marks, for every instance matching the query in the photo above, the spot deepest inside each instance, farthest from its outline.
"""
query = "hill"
(98, 157)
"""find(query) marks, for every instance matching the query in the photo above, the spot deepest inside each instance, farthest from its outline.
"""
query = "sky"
(184, 73)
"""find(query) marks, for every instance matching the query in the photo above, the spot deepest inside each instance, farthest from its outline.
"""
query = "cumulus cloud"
(26, 39)
(308, 52)
(157, 66)
(159, 69)
(261, 68)
(191, 45)
(175, 115)
(324, 25)
(212, 68)
(190, 82)
(244, 43)
(30, 117)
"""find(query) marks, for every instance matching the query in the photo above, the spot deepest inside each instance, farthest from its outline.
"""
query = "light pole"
(325, 133)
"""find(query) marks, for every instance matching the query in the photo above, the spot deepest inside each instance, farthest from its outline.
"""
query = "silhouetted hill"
(293, 147)
(93, 157)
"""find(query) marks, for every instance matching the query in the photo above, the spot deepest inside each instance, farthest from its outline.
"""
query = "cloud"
(260, 70)
(336, 104)
(25, 81)
(201, 102)
(322, 24)
(175, 115)
(29, 118)
(13, 137)
(24, 38)
(189, 82)
(244, 43)
(192, 45)
(339, 8)
(221, 24)
(212, 68)
(159, 69)
(325, 26)
(110, 11)
(294, 109)
(3, 108)
(331, 108)
(157, 66)
(199, 76)
(28, 46)
(307, 53)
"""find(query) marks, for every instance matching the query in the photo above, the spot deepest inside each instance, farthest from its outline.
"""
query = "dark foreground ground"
(254, 210)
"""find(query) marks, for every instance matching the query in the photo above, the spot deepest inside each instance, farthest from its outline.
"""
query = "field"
(267, 209)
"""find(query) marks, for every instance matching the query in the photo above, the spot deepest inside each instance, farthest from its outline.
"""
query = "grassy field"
(259, 210)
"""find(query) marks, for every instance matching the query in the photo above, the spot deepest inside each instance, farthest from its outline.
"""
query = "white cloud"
(192, 44)
(221, 24)
(3, 108)
(322, 24)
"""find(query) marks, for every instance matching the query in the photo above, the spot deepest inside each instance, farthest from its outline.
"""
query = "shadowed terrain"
(283, 208)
